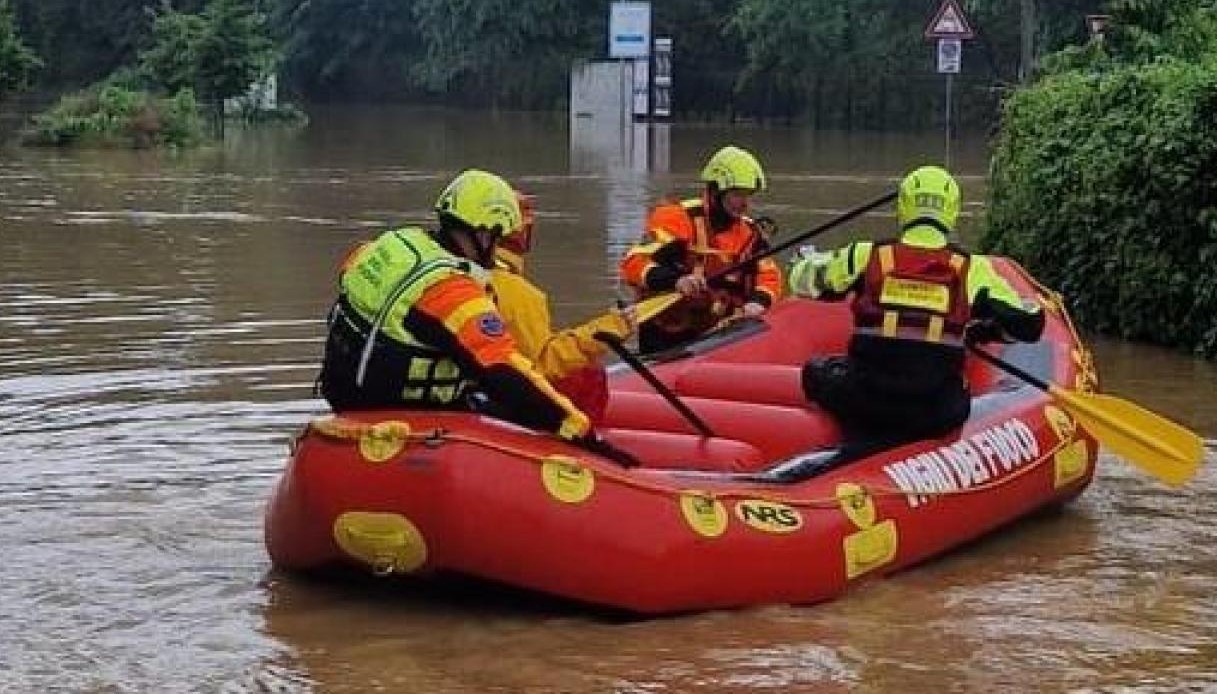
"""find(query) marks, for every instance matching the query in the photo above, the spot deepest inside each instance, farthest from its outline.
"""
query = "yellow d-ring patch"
(857, 504)
(383, 440)
(870, 548)
(1070, 463)
(388, 542)
(1060, 421)
(566, 479)
(705, 514)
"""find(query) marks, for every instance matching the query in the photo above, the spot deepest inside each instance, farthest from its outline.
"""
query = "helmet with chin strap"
(521, 241)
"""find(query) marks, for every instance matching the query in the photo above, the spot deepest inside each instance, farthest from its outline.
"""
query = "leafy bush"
(1102, 185)
(111, 115)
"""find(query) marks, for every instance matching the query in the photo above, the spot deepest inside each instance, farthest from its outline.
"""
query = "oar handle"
(614, 343)
(806, 235)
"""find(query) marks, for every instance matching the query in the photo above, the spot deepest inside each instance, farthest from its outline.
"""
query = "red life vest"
(914, 293)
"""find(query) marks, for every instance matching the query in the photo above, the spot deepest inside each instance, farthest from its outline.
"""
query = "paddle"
(806, 235)
(1160, 447)
(658, 304)
(648, 308)
(614, 343)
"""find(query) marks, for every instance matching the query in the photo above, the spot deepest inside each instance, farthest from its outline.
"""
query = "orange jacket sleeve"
(666, 223)
(768, 282)
(457, 316)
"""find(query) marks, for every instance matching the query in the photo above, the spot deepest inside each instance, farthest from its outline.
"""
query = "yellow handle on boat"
(1160, 447)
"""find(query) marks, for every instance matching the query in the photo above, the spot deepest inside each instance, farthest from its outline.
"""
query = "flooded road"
(160, 326)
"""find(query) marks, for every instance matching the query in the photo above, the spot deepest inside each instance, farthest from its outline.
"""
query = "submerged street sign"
(949, 22)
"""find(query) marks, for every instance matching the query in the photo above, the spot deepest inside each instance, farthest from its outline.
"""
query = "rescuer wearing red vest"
(914, 298)
(686, 242)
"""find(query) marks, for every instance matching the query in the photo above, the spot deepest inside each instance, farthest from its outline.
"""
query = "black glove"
(982, 331)
(594, 443)
(672, 253)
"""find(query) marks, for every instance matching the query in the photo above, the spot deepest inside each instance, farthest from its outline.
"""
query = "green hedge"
(116, 115)
(1103, 185)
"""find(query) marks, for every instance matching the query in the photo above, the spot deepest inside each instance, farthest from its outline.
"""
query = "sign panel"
(661, 106)
(950, 52)
(641, 88)
(629, 29)
(949, 22)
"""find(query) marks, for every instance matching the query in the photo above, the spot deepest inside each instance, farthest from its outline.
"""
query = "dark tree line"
(858, 62)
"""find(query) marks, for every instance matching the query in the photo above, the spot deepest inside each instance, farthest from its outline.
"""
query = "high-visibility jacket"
(845, 267)
(651, 266)
(569, 358)
(931, 313)
(426, 330)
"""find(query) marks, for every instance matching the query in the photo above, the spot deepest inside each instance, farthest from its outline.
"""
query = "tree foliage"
(861, 62)
(233, 51)
(347, 50)
(171, 59)
(17, 62)
(1101, 180)
(517, 51)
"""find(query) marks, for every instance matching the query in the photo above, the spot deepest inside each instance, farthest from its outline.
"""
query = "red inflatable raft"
(751, 515)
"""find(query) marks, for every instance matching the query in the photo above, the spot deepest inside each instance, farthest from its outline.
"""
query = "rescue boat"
(767, 510)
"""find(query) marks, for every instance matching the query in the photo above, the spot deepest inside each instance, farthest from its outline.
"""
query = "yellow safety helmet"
(929, 193)
(481, 200)
(733, 167)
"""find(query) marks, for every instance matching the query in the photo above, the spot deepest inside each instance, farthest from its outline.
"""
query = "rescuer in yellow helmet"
(689, 241)
(916, 298)
(415, 327)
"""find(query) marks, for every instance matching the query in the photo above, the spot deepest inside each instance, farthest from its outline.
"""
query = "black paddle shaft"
(614, 343)
(805, 236)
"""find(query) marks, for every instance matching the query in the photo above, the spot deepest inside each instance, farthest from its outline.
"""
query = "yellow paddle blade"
(1160, 447)
(649, 308)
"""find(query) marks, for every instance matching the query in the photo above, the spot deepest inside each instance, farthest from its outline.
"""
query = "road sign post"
(950, 28)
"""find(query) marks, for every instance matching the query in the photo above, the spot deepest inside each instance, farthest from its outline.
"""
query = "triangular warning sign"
(949, 22)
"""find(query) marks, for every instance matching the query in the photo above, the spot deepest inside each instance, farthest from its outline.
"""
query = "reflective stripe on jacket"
(843, 271)
(380, 283)
(706, 251)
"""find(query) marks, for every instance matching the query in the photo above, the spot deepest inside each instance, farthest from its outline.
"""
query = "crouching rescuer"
(916, 298)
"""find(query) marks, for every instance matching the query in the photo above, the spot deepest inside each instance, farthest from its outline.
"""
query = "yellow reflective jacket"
(525, 310)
